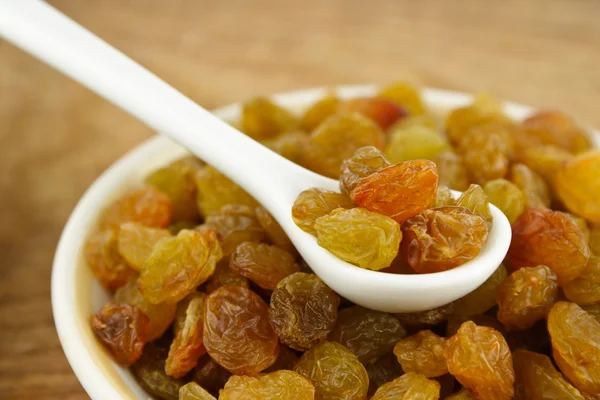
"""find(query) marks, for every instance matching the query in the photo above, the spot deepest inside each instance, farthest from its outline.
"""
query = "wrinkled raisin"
(272, 386)
(384, 370)
(483, 298)
(405, 95)
(578, 185)
(136, 241)
(425, 319)
(412, 142)
(210, 375)
(150, 372)
(319, 112)
(147, 206)
(382, 111)
(291, 145)
(215, 190)
(102, 256)
(235, 224)
(314, 203)
(533, 186)
(409, 386)
(261, 118)
(364, 162)
(558, 129)
(222, 276)
(274, 232)
(193, 391)
(422, 353)
(545, 160)
(506, 196)
(475, 200)
(585, 289)
(452, 171)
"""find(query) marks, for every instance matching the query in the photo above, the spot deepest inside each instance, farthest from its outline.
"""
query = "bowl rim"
(92, 376)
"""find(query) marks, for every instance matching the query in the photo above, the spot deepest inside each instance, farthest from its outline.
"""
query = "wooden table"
(56, 137)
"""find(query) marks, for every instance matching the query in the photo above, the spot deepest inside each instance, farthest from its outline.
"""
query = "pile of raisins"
(212, 300)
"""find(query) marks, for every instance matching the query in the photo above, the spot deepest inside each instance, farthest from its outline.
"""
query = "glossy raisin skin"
(303, 310)
(367, 333)
(399, 191)
(452, 171)
(222, 276)
(319, 112)
(533, 186)
(273, 231)
(214, 191)
(237, 333)
(425, 319)
(382, 111)
(463, 394)
(537, 378)
(575, 339)
(291, 145)
(526, 297)
(102, 256)
(404, 94)
(335, 372)
(262, 263)
(314, 203)
(422, 353)
(123, 330)
(272, 386)
(485, 154)
(578, 186)
(556, 128)
(545, 160)
(485, 110)
(413, 142)
(193, 391)
(551, 238)
(147, 206)
(210, 375)
(442, 238)
(261, 118)
(410, 386)
(149, 370)
(364, 162)
(286, 360)
(506, 196)
(483, 298)
(585, 289)
(480, 359)
(136, 241)
(475, 200)
(384, 370)
(360, 237)
(190, 254)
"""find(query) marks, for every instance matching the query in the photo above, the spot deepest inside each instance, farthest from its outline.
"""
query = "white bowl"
(76, 295)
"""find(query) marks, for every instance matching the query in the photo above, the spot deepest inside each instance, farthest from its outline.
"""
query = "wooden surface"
(56, 137)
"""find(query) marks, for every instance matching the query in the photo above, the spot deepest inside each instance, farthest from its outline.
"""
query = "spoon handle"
(43, 31)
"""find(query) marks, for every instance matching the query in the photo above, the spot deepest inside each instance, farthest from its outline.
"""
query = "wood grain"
(56, 137)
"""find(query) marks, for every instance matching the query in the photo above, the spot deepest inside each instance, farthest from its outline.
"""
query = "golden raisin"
(409, 386)
(274, 232)
(215, 190)
(147, 206)
(422, 353)
(485, 154)
(319, 112)
(136, 241)
(272, 386)
(545, 160)
(382, 111)
(102, 256)
(222, 276)
(364, 162)
(314, 203)
(405, 95)
(411, 142)
(506, 196)
(577, 184)
(210, 375)
(452, 171)
(193, 391)
(475, 200)
(536, 191)
(291, 145)
(262, 118)
(425, 319)
(235, 224)
(558, 129)
(443, 198)
(585, 289)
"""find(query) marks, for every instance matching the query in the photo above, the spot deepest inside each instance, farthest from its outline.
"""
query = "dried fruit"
(274, 232)
(425, 319)
(291, 145)
(558, 129)
(583, 225)
(412, 142)
(443, 198)
(314, 203)
(150, 373)
(536, 191)
(262, 263)
(479, 358)
(367, 333)
(585, 289)
(193, 391)
(136, 241)
(483, 298)
(147, 206)
(593, 310)
(409, 386)
(506, 196)
(422, 353)
(210, 375)
(442, 238)
(123, 330)
(235, 224)
(452, 171)
(475, 200)
(262, 118)
(286, 360)
(405, 95)
(102, 256)
(360, 237)
(382, 111)
(485, 154)
(537, 378)
(577, 184)
(303, 310)
(335, 372)
(273, 386)
(575, 338)
(237, 333)
(399, 191)
(187, 346)
(215, 190)
(526, 297)
(463, 394)
(551, 238)
(337, 138)
(545, 160)
(384, 370)
(364, 162)
(319, 112)
(485, 110)
(455, 321)
(222, 276)
(160, 315)
(179, 264)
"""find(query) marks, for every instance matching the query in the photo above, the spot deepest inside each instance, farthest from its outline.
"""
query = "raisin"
(272, 386)
(335, 372)
(237, 333)
(303, 310)
(187, 346)
(149, 370)
(585, 289)
(384, 370)
(193, 391)
(551, 238)
(578, 185)
(594, 239)
(102, 256)
(483, 298)
(455, 321)
(123, 330)
(485, 154)
(475, 199)
(463, 394)
(405, 95)
(526, 296)
(443, 198)
(367, 333)
(337, 138)
(261, 118)
(319, 112)
(274, 232)
(411, 142)
(382, 111)
(177, 227)
(262, 263)
(506, 196)
(286, 360)
(136, 241)
(425, 319)
(314, 203)
(160, 315)
(558, 129)
(178, 265)
(235, 224)
(485, 110)
(364, 162)
(533, 186)
(575, 336)
(409, 386)
(291, 145)
(452, 171)
(422, 353)
(538, 378)
(545, 160)
(399, 191)
(583, 225)
(147, 206)
(442, 238)
(480, 359)
(210, 375)
(222, 276)
(593, 310)
(215, 190)
(424, 120)
(360, 237)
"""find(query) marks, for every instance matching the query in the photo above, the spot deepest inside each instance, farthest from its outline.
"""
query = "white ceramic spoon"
(274, 181)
